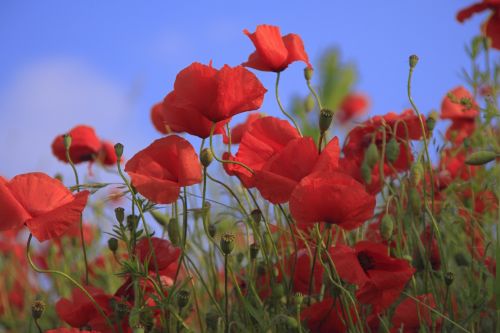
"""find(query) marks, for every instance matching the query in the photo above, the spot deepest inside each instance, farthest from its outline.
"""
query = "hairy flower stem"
(276, 91)
(226, 295)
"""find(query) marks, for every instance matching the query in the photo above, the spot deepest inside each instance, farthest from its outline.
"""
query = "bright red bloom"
(158, 120)
(84, 147)
(161, 169)
(352, 106)
(410, 314)
(70, 330)
(454, 109)
(165, 252)
(267, 137)
(274, 53)
(380, 278)
(203, 95)
(107, 155)
(331, 197)
(240, 129)
(42, 203)
(459, 130)
(491, 27)
(327, 316)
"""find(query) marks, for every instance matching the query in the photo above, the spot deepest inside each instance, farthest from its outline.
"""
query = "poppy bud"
(416, 173)
(227, 243)
(481, 157)
(173, 232)
(371, 155)
(120, 214)
(325, 120)
(37, 309)
(309, 103)
(256, 216)
(182, 298)
(386, 227)
(159, 217)
(254, 250)
(308, 73)
(278, 291)
(366, 173)
(119, 150)
(392, 150)
(414, 200)
(67, 141)
(113, 244)
(212, 320)
(413, 61)
(206, 157)
(212, 230)
(132, 222)
(448, 278)
(431, 121)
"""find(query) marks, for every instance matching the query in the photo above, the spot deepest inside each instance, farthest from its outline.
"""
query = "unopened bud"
(325, 120)
(414, 199)
(227, 243)
(448, 278)
(431, 121)
(416, 173)
(413, 61)
(481, 157)
(173, 232)
(67, 141)
(206, 157)
(308, 73)
(113, 244)
(366, 173)
(120, 214)
(371, 155)
(119, 150)
(212, 230)
(254, 250)
(132, 222)
(392, 150)
(37, 309)
(182, 298)
(386, 227)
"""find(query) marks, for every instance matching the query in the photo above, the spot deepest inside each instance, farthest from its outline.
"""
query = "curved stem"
(276, 90)
(315, 94)
(225, 161)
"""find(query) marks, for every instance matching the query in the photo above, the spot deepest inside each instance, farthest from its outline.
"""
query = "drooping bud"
(256, 216)
(120, 214)
(119, 150)
(325, 120)
(386, 227)
(227, 243)
(254, 250)
(371, 155)
(67, 139)
(366, 173)
(481, 157)
(309, 103)
(132, 222)
(431, 120)
(392, 150)
(308, 73)
(448, 278)
(37, 309)
(416, 173)
(182, 298)
(113, 244)
(413, 60)
(206, 157)
(173, 232)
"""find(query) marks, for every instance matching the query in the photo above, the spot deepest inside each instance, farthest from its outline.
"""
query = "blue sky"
(104, 63)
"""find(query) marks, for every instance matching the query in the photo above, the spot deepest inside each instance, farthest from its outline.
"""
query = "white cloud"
(49, 97)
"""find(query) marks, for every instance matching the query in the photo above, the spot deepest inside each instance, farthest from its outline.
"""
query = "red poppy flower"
(70, 330)
(107, 155)
(274, 53)
(240, 129)
(161, 169)
(459, 130)
(461, 105)
(165, 252)
(266, 137)
(333, 197)
(158, 120)
(491, 27)
(42, 203)
(203, 95)
(327, 316)
(410, 315)
(302, 273)
(380, 278)
(352, 106)
(84, 145)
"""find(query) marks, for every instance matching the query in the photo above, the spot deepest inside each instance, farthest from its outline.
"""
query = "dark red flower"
(240, 129)
(274, 53)
(161, 169)
(165, 252)
(491, 27)
(411, 315)
(266, 137)
(107, 155)
(352, 106)
(302, 273)
(42, 203)
(331, 197)
(158, 120)
(84, 145)
(380, 278)
(460, 106)
(203, 95)
(327, 316)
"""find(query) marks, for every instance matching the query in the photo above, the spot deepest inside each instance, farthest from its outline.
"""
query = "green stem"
(276, 90)
(226, 309)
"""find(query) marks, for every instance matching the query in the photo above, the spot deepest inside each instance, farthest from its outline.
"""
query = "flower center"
(365, 261)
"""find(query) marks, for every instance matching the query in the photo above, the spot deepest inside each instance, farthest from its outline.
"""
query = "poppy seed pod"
(413, 61)
(37, 309)
(113, 244)
(120, 214)
(67, 141)
(392, 150)
(182, 298)
(308, 73)
(132, 222)
(448, 278)
(206, 157)
(119, 150)
(227, 243)
(325, 120)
